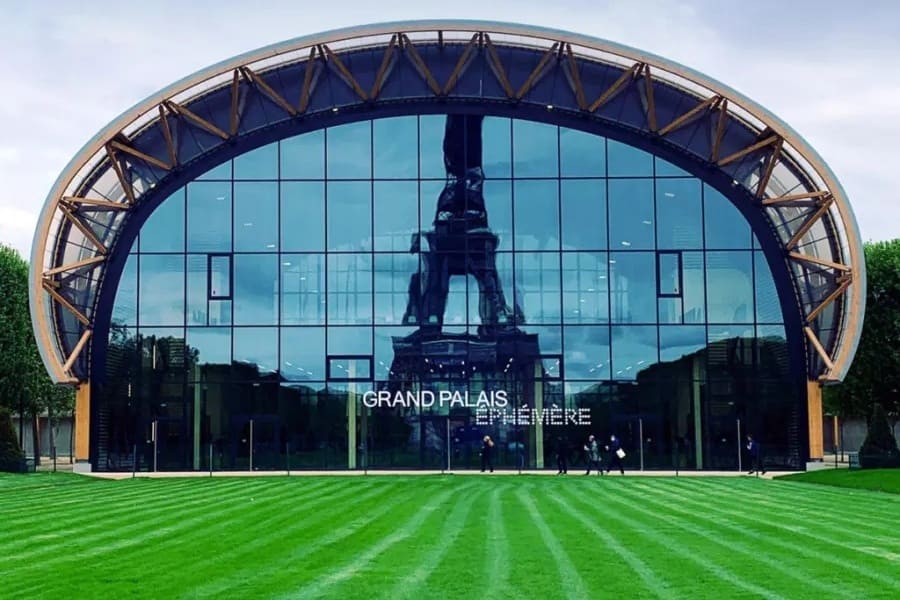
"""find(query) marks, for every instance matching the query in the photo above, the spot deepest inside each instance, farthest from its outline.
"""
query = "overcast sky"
(831, 69)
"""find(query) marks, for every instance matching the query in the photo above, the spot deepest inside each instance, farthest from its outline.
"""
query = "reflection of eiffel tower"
(461, 244)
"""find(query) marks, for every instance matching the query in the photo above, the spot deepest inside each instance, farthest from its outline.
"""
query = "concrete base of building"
(818, 465)
(82, 466)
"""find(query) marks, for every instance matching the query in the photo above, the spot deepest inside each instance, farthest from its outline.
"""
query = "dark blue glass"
(583, 214)
(256, 216)
(725, 226)
(303, 156)
(632, 284)
(498, 202)
(768, 307)
(209, 216)
(631, 214)
(255, 289)
(302, 216)
(125, 306)
(164, 230)
(261, 163)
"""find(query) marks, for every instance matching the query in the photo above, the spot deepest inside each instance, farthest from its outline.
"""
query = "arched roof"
(793, 200)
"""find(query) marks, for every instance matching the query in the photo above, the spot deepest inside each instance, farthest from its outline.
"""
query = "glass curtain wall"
(264, 299)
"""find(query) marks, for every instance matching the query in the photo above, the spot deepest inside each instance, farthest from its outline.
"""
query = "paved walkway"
(465, 473)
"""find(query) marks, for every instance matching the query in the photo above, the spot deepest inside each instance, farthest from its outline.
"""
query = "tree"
(874, 377)
(879, 450)
(10, 453)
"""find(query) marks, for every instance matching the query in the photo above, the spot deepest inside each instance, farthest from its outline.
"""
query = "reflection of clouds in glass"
(349, 150)
(303, 353)
(257, 346)
(634, 349)
(161, 300)
(213, 344)
(587, 352)
(255, 289)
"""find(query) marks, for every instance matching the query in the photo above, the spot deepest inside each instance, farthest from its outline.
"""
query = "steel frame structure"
(795, 204)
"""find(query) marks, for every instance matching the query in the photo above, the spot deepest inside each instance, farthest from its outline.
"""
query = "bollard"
(134, 461)
(740, 465)
(251, 444)
(287, 453)
(641, 433)
(210, 459)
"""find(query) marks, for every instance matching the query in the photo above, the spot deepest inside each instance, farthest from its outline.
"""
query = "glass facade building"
(276, 288)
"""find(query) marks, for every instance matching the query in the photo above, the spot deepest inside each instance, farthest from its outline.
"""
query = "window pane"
(584, 214)
(535, 149)
(693, 292)
(164, 230)
(498, 202)
(255, 289)
(395, 144)
(302, 216)
(161, 290)
(197, 292)
(679, 214)
(678, 341)
(581, 154)
(303, 353)
(537, 215)
(431, 148)
(729, 281)
(632, 277)
(353, 369)
(585, 287)
(256, 216)
(669, 273)
(125, 306)
(634, 349)
(725, 225)
(626, 161)
(209, 216)
(221, 173)
(631, 214)
(355, 341)
(395, 276)
(538, 286)
(220, 276)
(666, 169)
(349, 288)
(349, 149)
(302, 289)
(303, 156)
(349, 216)
(213, 346)
(768, 307)
(256, 348)
(396, 214)
(261, 163)
(497, 148)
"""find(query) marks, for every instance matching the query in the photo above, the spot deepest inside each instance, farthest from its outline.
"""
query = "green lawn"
(879, 480)
(445, 537)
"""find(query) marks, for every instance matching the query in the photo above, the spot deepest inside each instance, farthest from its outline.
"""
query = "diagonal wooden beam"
(819, 261)
(167, 134)
(384, 69)
(720, 131)
(575, 75)
(75, 265)
(461, 64)
(141, 155)
(68, 305)
(772, 139)
(306, 90)
(828, 300)
(537, 71)
(268, 90)
(808, 224)
(615, 88)
(194, 118)
(811, 335)
(651, 105)
(120, 174)
(72, 200)
(770, 167)
(76, 351)
(84, 229)
(793, 197)
(684, 119)
(420, 65)
(497, 67)
(343, 71)
(235, 119)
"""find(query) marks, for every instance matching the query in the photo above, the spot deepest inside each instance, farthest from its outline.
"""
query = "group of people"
(593, 455)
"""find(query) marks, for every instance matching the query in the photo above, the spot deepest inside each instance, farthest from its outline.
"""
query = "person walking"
(616, 454)
(754, 450)
(562, 456)
(592, 450)
(487, 454)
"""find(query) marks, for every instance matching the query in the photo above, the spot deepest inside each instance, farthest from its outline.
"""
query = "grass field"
(445, 537)
(879, 480)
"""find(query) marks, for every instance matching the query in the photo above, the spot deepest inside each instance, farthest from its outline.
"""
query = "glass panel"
(497, 148)
(125, 306)
(693, 291)
(725, 226)
(255, 349)
(581, 154)
(584, 214)
(537, 215)
(355, 341)
(585, 287)
(396, 275)
(586, 352)
(535, 149)
(349, 368)
(631, 214)
(669, 273)
(303, 216)
(634, 349)
(220, 276)
(197, 292)
(349, 150)
(678, 341)
(256, 216)
(679, 214)
(768, 307)
(666, 169)
(396, 214)
(302, 289)
(498, 202)
(164, 230)
(395, 144)
(213, 348)
(349, 288)
(209, 216)
(161, 290)
(349, 216)
(255, 289)
(261, 163)
(627, 161)
(221, 173)
(303, 156)
(431, 146)
(538, 286)
(729, 281)
(303, 353)
(632, 277)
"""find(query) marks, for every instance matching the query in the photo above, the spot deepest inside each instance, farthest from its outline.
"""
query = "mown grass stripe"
(498, 549)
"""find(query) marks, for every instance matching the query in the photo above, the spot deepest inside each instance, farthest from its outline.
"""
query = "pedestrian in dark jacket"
(487, 454)
(592, 451)
(754, 451)
(616, 454)
(562, 456)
